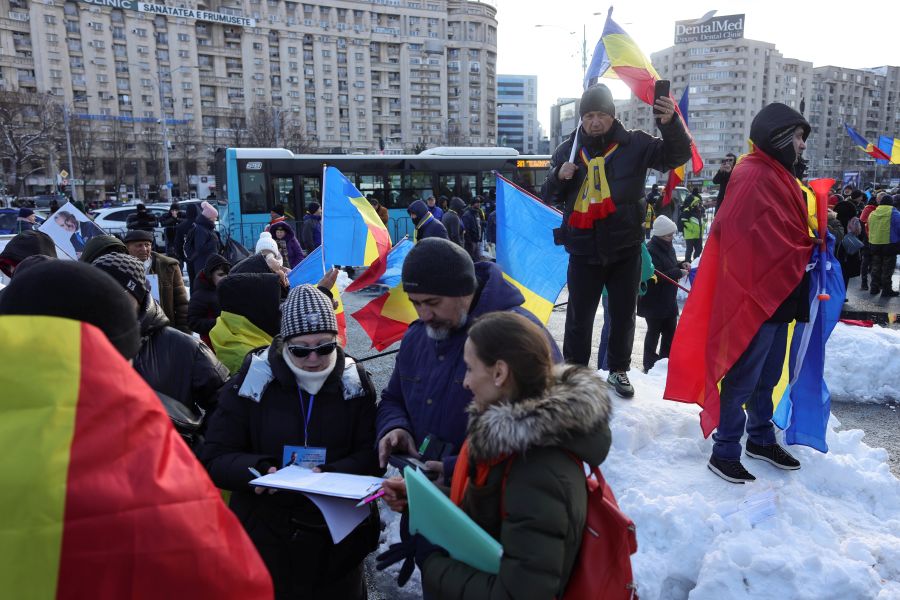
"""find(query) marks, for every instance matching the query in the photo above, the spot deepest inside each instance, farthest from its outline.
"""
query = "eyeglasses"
(302, 351)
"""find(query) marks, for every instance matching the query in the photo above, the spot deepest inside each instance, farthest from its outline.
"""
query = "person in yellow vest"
(884, 241)
(692, 225)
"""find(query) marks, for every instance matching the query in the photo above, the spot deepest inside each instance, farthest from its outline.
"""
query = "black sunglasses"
(302, 351)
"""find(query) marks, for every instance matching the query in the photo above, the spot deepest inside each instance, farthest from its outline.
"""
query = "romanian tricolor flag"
(352, 232)
(384, 271)
(525, 249)
(617, 56)
(386, 318)
(311, 270)
(891, 147)
(864, 145)
(101, 497)
(676, 175)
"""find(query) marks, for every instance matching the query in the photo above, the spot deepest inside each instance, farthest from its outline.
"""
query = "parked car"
(8, 218)
(112, 220)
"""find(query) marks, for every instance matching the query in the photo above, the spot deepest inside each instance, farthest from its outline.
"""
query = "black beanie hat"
(214, 262)
(74, 290)
(440, 267)
(97, 246)
(278, 209)
(128, 271)
(256, 296)
(597, 98)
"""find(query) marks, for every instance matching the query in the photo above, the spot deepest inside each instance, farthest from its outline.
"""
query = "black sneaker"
(619, 381)
(774, 455)
(890, 293)
(730, 470)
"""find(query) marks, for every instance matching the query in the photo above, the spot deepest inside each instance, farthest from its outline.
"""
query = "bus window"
(468, 186)
(393, 189)
(312, 191)
(488, 185)
(253, 193)
(447, 185)
(529, 179)
(415, 185)
(284, 195)
(371, 185)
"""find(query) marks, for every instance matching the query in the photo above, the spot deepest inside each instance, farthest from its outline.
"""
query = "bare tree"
(265, 126)
(28, 127)
(152, 142)
(119, 136)
(84, 134)
(236, 122)
(294, 138)
(186, 142)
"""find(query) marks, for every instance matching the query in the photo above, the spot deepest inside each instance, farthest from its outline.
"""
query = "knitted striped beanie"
(306, 311)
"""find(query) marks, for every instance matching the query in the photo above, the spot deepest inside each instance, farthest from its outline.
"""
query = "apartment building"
(517, 124)
(564, 117)
(338, 76)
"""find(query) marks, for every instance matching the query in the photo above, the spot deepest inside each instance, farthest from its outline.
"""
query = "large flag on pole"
(891, 147)
(525, 249)
(676, 175)
(864, 145)
(385, 271)
(352, 232)
(311, 270)
(101, 497)
(617, 56)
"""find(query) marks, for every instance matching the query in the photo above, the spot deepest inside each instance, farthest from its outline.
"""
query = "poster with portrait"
(70, 229)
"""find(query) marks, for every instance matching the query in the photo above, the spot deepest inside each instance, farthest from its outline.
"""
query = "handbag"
(852, 244)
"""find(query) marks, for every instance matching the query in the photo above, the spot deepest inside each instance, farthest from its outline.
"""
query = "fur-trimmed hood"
(573, 413)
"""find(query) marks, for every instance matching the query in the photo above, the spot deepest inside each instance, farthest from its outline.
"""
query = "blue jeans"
(750, 383)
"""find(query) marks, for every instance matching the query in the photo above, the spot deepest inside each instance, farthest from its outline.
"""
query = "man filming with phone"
(722, 176)
(598, 175)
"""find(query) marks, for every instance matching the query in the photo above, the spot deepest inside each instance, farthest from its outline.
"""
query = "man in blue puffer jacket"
(425, 395)
(426, 224)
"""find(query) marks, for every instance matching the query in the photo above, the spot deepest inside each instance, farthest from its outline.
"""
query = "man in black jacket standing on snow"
(603, 217)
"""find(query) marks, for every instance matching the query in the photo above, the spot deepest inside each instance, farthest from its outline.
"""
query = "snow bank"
(830, 530)
(863, 364)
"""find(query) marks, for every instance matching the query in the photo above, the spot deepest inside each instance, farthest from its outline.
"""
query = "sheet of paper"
(340, 514)
(340, 485)
(153, 280)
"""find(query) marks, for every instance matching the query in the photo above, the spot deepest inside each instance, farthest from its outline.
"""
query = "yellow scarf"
(233, 336)
(593, 202)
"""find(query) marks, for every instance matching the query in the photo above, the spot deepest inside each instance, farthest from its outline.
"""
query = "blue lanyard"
(312, 399)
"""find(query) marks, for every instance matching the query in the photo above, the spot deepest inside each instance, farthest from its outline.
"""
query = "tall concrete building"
(730, 80)
(517, 124)
(563, 120)
(335, 76)
(867, 100)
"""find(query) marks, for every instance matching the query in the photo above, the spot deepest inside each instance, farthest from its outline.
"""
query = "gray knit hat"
(306, 311)
(439, 267)
(128, 271)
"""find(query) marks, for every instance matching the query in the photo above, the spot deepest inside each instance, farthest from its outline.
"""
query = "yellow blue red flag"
(311, 270)
(525, 249)
(352, 232)
(891, 147)
(864, 145)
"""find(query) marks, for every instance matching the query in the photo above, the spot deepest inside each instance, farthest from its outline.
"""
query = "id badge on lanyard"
(305, 456)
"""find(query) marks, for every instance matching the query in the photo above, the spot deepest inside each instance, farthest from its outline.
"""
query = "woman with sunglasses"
(300, 400)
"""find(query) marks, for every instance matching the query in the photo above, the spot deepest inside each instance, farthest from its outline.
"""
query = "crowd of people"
(480, 393)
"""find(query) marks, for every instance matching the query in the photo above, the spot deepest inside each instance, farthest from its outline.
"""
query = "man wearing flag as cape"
(729, 348)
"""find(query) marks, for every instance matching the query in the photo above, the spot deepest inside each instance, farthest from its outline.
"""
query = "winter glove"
(414, 551)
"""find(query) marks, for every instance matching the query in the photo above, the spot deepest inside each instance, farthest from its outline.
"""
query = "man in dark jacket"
(425, 395)
(722, 176)
(141, 220)
(181, 231)
(170, 361)
(311, 232)
(603, 219)
(21, 246)
(658, 306)
(202, 241)
(424, 222)
(203, 309)
(171, 293)
(434, 209)
(170, 223)
(472, 223)
(452, 221)
(26, 220)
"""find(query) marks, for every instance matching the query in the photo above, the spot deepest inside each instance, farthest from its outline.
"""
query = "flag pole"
(324, 171)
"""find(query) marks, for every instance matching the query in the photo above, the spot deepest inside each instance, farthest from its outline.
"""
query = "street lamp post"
(69, 151)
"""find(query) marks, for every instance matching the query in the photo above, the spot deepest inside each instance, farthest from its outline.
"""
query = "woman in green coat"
(531, 424)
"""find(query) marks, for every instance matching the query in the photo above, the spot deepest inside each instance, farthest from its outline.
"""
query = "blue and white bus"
(255, 180)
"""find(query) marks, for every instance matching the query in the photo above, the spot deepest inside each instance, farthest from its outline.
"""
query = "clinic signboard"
(712, 29)
(173, 11)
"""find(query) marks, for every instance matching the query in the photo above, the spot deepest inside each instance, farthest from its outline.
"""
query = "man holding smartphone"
(722, 176)
(601, 190)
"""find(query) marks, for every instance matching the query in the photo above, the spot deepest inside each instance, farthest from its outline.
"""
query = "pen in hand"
(371, 498)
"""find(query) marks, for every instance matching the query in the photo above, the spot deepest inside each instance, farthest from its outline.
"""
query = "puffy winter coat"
(472, 223)
(452, 221)
(182, 229)
(258, 414)
(659, 301)
(311, 234)
(531, 441)
(426, 225)
(173, 296)
(175, 363)
(619, 234)
(203, 307)
(425, 394)
(170, 225)
(294, 251)
(201, 242)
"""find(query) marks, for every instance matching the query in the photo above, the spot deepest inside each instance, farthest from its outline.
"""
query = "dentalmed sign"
(727, 27)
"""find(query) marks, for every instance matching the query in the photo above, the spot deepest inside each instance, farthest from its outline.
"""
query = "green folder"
(434, 515)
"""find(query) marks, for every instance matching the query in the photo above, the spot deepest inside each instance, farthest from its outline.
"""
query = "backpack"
(602, 569)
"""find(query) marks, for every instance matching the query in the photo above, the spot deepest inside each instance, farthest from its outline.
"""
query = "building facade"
(517, 124)
(338, 76)
(564, 117)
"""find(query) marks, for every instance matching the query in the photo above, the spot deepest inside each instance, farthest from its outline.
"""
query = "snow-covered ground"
(829, 530)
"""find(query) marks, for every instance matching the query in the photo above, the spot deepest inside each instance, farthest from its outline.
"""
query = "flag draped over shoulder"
(525, 249)
(617, 56)
(311, 270)
(891, 147)
(864, 145)
(676, 175)
(755, 257)
(352, 232)
(102, 498)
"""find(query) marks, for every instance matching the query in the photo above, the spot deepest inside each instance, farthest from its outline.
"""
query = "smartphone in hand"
(401, 461)
(660, 89)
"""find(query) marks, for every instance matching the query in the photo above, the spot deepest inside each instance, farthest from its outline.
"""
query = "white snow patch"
(862, 364)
